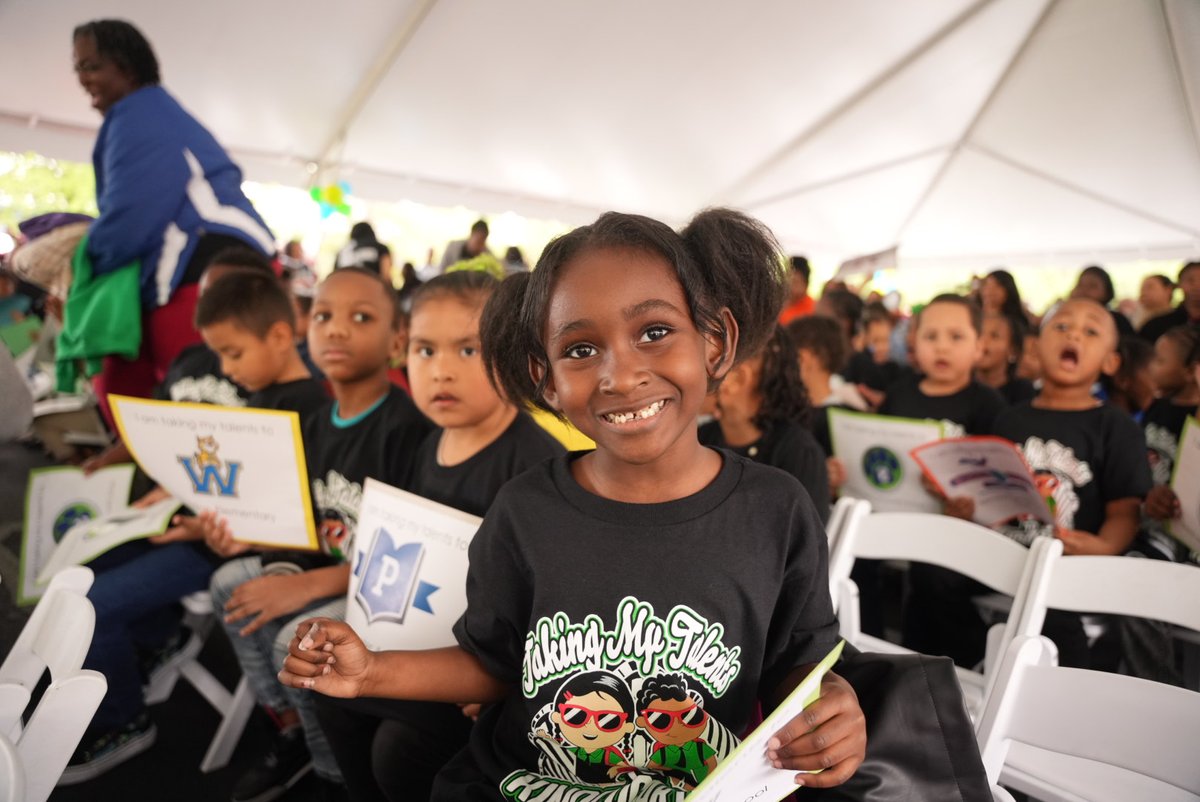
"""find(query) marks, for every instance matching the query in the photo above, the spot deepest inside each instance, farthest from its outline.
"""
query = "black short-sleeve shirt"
(972, 410)
(789, 447)
(195, 375)
(596, 611)
(1084, 458)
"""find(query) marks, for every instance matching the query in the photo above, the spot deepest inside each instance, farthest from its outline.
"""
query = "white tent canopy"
(968, 132)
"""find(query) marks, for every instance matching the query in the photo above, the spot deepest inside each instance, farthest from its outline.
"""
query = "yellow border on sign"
(115, 402)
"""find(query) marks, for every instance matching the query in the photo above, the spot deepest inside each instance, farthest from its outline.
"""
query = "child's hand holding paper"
(218, 536)
(829, 736)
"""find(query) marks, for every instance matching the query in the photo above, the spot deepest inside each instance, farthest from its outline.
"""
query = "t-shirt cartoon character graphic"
(593, 712)
(674, 716)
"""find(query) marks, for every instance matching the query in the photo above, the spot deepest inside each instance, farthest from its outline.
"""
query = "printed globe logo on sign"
(72, 514)
(882, 467)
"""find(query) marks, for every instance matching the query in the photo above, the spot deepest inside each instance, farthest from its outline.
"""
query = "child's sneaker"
(279, 770)
(100, 751)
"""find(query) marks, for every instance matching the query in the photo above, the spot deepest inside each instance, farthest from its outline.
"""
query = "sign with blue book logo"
(409, 577)
(245, 464)
(876, 451)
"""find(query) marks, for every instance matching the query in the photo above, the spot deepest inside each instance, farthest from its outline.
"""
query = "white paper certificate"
(1185, 481)
(745, 774)
(876, 450)
(989, 470)
(87, 540)
(409, 579)
(57, 499)
(246, 464)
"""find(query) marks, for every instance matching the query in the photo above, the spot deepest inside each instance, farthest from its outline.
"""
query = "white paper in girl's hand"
(1185, 481)
(746, 773)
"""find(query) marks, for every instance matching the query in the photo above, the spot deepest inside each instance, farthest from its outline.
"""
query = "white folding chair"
(1072, 735)
(12, 773)
(39, 647)
(848, 513)
(1131, 586)
(235, 708)
(55, 639)
(970, 549)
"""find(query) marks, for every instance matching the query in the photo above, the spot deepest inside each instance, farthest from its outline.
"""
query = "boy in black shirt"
(873, 366)
(371, 428)
(1084, 452)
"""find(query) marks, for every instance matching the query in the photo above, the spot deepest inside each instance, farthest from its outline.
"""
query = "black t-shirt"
(1083, 459)
(381, 444)
(1162, 424)
(305, 396)
(1017, 391)
(863, 369)
(595, 610)
(195, 375)
(1156, 327)
(789, 447)
(471, 485)
(970, 411)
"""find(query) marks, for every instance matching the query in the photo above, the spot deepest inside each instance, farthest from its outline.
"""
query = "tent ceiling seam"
(969, 131)
(1185, 89)
(824, 183)
(399, 40)
(1070, 186)
(857, 97)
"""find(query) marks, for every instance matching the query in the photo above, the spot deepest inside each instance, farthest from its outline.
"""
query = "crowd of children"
(633, 334)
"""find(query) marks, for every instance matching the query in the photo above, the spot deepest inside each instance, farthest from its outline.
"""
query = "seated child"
(946, 348)
(1176, 354)
(195, 374)
(138, 586)
(388, 748)
(1028, 367)
(628, 607)
(1081, 449)
(1130, 386)
(1003, 338)
(762, 413)
(872, 366)
(821, 350)
(371, 428)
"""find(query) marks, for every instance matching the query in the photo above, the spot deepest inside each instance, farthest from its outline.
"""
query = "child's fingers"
(258, 623)
(822, 748)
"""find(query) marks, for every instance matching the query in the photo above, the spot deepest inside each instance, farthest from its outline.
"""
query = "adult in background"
(460, 250)
(998, 295)
(799, 303)
(169, 197)
(1095, 284)
(364, 250)
(1188, 311)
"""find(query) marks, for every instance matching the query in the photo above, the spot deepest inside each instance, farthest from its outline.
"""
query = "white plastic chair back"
(848, 515)
(12, 773)
(1070, 734)
(29, 655)
(55, 729)
(1132, 586)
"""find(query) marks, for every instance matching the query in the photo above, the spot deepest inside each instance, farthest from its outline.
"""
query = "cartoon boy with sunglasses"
(674, 717)
(594, 711)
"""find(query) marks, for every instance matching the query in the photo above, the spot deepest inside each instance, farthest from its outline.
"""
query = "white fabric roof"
(969, 132)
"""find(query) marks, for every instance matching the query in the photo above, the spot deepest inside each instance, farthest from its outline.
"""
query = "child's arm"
(115, 454)
(829, 736)
(269, 597)
(328, 657)
(1116, 533)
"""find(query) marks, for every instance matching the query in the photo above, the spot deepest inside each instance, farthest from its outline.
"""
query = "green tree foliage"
(31, 185)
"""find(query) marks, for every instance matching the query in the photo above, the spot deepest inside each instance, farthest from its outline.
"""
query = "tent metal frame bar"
(379, 69)
(1190, 98)
(965, 138)
(841, 109)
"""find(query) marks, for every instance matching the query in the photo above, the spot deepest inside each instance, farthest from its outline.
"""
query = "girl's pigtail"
(742, 269)
(506, 342)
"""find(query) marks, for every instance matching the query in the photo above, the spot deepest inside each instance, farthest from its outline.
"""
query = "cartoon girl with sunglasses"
(674, 717)
(594, 712)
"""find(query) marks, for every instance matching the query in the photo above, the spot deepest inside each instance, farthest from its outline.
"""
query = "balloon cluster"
(332, 198)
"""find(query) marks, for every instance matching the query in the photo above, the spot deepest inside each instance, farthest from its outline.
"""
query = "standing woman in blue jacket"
(169, 197)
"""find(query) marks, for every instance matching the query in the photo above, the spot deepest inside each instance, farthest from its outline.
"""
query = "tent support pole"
(1189, 94)
(370, 81)
(969, 131)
